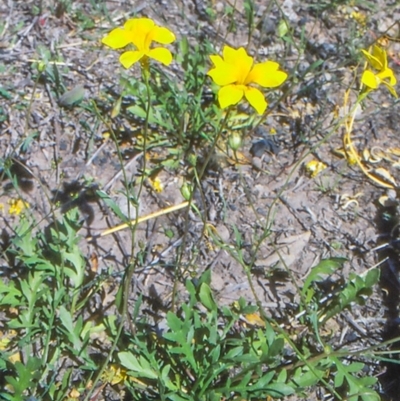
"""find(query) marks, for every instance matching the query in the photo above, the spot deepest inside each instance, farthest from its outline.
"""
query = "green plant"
(206, 353)
(57, 340)
(45, 306)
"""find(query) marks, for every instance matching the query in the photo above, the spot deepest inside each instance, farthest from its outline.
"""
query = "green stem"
(196, 183)
(130, 270)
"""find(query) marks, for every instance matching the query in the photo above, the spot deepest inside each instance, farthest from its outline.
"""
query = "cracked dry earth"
(67, 157)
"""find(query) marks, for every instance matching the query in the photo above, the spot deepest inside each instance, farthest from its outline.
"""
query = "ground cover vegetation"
(199, 200)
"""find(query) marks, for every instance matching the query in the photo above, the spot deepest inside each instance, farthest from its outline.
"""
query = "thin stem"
(130, 270)
(196, 183)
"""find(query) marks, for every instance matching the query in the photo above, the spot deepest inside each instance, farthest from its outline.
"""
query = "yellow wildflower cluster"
(235, 72)
(360, 18)
(17, 206)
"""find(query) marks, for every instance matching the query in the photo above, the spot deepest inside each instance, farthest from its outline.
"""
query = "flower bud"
(41, 66)
(192, 159)
(186, 191)
(235, 140)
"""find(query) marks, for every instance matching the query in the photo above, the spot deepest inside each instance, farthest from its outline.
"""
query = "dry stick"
(161, 212)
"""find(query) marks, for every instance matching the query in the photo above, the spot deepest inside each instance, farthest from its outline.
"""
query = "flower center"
(147, 41)
(242, 74)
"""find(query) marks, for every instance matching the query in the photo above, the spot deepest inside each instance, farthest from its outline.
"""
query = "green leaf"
(206, 297)
(73, 96)
(139, 112)
(357, 387)
(205, 277)
(371, 396)
(26, 377)
(245, 380)
(166, 379)
(372, 277)
(139, 366)
(304, 377)
(155, 116)
(262, 382)
(174, 323)
(72, 330)
(247, 358)
(283, 28)
(9, 294)
(111, 204)
(77, 275)
(322, 269)
(282, 377)
(233, 353)
(176, 397)
(5, 93)
(279, 390)
(184, 46)
(276, 347)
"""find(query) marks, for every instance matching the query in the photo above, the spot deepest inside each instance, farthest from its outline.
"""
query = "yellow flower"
(235, 72)
(17, 206)
(140, 32)
(359, 17)
(157, 185)
(378, 61)
(6, 339)
(314, 167)
(114, 375)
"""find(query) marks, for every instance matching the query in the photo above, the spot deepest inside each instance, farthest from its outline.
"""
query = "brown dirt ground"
(310, 221)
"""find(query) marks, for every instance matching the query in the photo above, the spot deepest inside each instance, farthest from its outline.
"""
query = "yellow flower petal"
(230, 95)
(140, 29)
(375, 63)
(266, 75)
(314, 167)
(387, 73)
(129, 58)
(231, 55)
(217, 60)
(377, 59)
(391, 89)
(240, 60)
(223, 76)
(256, 99)
(117, 38)
(140, 32)
(143, 24)
(145, 31)
(17, 206)
(160, 54)
(235, 72)
(369, 79)
(380, 54)
(163, 35)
